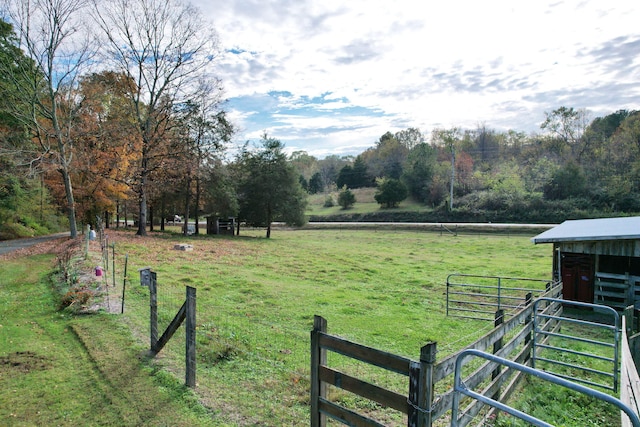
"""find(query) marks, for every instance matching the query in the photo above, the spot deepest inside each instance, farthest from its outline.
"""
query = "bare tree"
(51, 34)
(569, 126)
(162, 45)
(205, 131)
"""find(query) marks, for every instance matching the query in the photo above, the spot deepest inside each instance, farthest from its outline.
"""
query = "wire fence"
(231, 334)
(223, 335)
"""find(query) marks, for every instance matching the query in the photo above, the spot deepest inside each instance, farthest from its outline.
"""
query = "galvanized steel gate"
(547, 328)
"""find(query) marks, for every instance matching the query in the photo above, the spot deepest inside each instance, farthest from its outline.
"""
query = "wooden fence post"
(190, 327)
(153, 305)
(413, 413)
(425, 395)
(318, 358)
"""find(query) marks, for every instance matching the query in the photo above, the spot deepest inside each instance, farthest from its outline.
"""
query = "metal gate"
(549, 342)
(460, 388)
(479, 296)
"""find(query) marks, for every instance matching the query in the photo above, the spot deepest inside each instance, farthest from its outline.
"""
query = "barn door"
(577, 277)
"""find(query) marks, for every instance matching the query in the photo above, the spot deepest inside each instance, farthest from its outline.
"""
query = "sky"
(331, 77)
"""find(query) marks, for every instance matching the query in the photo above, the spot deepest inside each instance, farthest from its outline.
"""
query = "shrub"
(391, 192)
(346, 198)
(76, 298)
(12, 230)
(328, 202)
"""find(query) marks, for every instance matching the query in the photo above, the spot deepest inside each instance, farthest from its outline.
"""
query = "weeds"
(72, 295)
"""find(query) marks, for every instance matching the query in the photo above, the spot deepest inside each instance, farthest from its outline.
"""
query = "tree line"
(111, 109)
(575, 166)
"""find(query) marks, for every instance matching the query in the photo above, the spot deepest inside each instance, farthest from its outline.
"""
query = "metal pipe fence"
(480, 296)
(461, 388)
(551, 346)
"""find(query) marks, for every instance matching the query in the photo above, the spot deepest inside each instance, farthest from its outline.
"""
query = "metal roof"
(592, 229)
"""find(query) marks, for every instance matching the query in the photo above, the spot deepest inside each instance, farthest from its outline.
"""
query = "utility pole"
(448, 138)
(453, 175)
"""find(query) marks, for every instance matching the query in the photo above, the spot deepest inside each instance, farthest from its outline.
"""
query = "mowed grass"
(62, 370)
(365, 203)
(256, 299)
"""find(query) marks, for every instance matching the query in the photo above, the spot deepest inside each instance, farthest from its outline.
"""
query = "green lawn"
(256, 299)
(365, 203)
(58, 369)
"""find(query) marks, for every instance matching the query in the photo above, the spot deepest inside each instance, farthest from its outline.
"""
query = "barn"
(598, 260)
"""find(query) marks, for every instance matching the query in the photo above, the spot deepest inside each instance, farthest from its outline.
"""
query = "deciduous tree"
(568, 125)
(106, 144)
(162, 45)
(450, 139)
(52, 36)
(204, 131)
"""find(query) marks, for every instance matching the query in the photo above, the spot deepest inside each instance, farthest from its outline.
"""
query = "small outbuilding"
(598, 260)
(217, 225)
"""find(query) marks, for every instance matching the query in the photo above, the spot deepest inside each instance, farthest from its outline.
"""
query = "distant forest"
(575, 167)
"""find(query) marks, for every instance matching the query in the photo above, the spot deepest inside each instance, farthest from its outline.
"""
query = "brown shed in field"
(598, 260)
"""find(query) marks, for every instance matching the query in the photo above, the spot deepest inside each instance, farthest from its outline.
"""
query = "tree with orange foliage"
(162, 45)
(106, 144)
(52, 37)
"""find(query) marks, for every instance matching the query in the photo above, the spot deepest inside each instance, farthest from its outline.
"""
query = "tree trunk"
(151, 218)
(117, 214)
(71, 208)
(142, 211)
(187, 201)
(268, 221)
(142, 197)
(163, 210)
(197, 204)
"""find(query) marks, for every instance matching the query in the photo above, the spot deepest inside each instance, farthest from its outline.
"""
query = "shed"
(598, 260)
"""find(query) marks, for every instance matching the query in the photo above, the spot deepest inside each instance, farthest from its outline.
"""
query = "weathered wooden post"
(413, 413)
(191, 337)
(497, 321)
(148, 278)
(318, 358)
(421, 395)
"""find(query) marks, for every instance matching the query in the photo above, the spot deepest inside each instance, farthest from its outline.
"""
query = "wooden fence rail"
(425, 376)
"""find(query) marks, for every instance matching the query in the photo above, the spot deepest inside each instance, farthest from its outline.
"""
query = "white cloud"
(386, 66)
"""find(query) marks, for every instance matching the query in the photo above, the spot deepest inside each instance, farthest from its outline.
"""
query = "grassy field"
(64, 370)
(256, 299)
(365, 203)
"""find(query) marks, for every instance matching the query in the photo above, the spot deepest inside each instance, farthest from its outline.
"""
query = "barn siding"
(629, 248)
